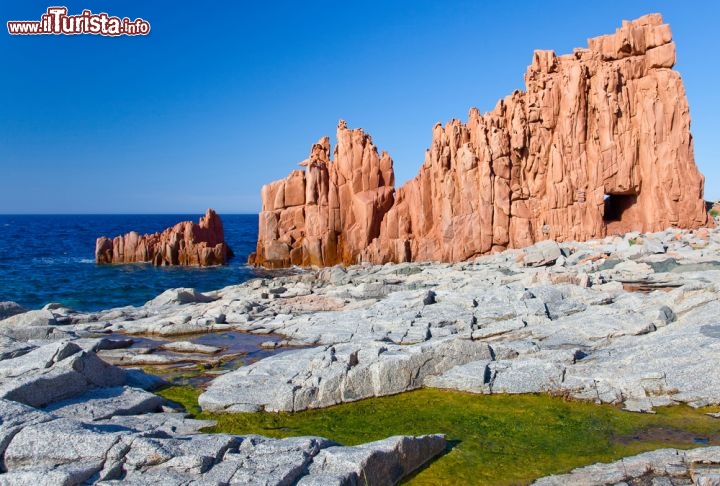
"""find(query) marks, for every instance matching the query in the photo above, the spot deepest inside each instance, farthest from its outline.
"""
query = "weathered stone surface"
(42, 448)
(104, 403)
(167, 423)
(63, 475)
(9, 309)
(662, 463)
(186, 243)
(54, 372)
(47, 444)
(258, 460)
(598, 144)
(188, 347)
(13, 417)
(180, 296)
(543, 253)
(324, 376)
(380, 463)
(36, 318)
(39, 358)
(11, 348)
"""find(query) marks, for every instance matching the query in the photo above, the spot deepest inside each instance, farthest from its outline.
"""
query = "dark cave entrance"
(616, 205)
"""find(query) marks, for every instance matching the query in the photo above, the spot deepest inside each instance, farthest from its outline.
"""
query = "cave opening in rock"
(616, 205)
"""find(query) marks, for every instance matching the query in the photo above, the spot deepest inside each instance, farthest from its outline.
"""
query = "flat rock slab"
(145, 357)
(104, 403)
(175, 423)
(661, 463)
(328, 375)
(188, 347)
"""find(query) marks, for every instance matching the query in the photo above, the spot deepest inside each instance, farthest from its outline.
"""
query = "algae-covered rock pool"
(494, 439)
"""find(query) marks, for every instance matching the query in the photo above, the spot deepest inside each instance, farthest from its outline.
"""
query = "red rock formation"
(322, 215)
(186, 243)
(599, 143)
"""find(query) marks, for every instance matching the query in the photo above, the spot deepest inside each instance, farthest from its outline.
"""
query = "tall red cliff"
(599, 143)
(186, 243)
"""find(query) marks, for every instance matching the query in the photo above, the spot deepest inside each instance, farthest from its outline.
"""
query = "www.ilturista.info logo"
(57, 21)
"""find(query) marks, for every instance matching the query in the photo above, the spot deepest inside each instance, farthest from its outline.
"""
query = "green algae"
(495, 439)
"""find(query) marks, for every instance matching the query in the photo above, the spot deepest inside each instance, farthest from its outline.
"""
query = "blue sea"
(51, 258)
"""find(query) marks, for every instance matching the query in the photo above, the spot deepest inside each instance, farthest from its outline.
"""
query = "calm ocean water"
(51, 258)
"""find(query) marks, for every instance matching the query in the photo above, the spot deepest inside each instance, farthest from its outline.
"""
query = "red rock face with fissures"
(186, 243)
(599, 143)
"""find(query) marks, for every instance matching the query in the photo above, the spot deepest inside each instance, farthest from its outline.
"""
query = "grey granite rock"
(188, 347)
(37, 318)
(11, 348)
(55, 372)
(60, 441)
(103, 403)
(62, 475)
(165, 423)
(324, 376)
(472, 377)
(661, 463)
(180, 296)
(526, 375)
(9, 309)
(139, 379)
(379, 463)
(542, 253)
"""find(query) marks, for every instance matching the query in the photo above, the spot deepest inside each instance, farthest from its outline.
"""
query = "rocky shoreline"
(629, 320)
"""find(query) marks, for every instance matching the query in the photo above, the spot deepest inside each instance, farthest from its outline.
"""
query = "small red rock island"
(186, 243)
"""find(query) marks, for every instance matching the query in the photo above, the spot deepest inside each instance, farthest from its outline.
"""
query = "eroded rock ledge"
(186, 243)
(599, 143)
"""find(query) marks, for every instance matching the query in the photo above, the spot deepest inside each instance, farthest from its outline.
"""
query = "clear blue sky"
(223, 97)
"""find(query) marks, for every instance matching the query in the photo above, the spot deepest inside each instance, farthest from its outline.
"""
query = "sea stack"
(599, 143)
(186, 243)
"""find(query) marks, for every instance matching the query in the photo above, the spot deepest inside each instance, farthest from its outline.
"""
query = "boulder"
(54, 372)
(9, 309)
(180, 296)
(35, 318)
(543, 253)
(381, 463)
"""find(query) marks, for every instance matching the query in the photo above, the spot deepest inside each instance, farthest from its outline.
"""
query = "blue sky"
(223, 97)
